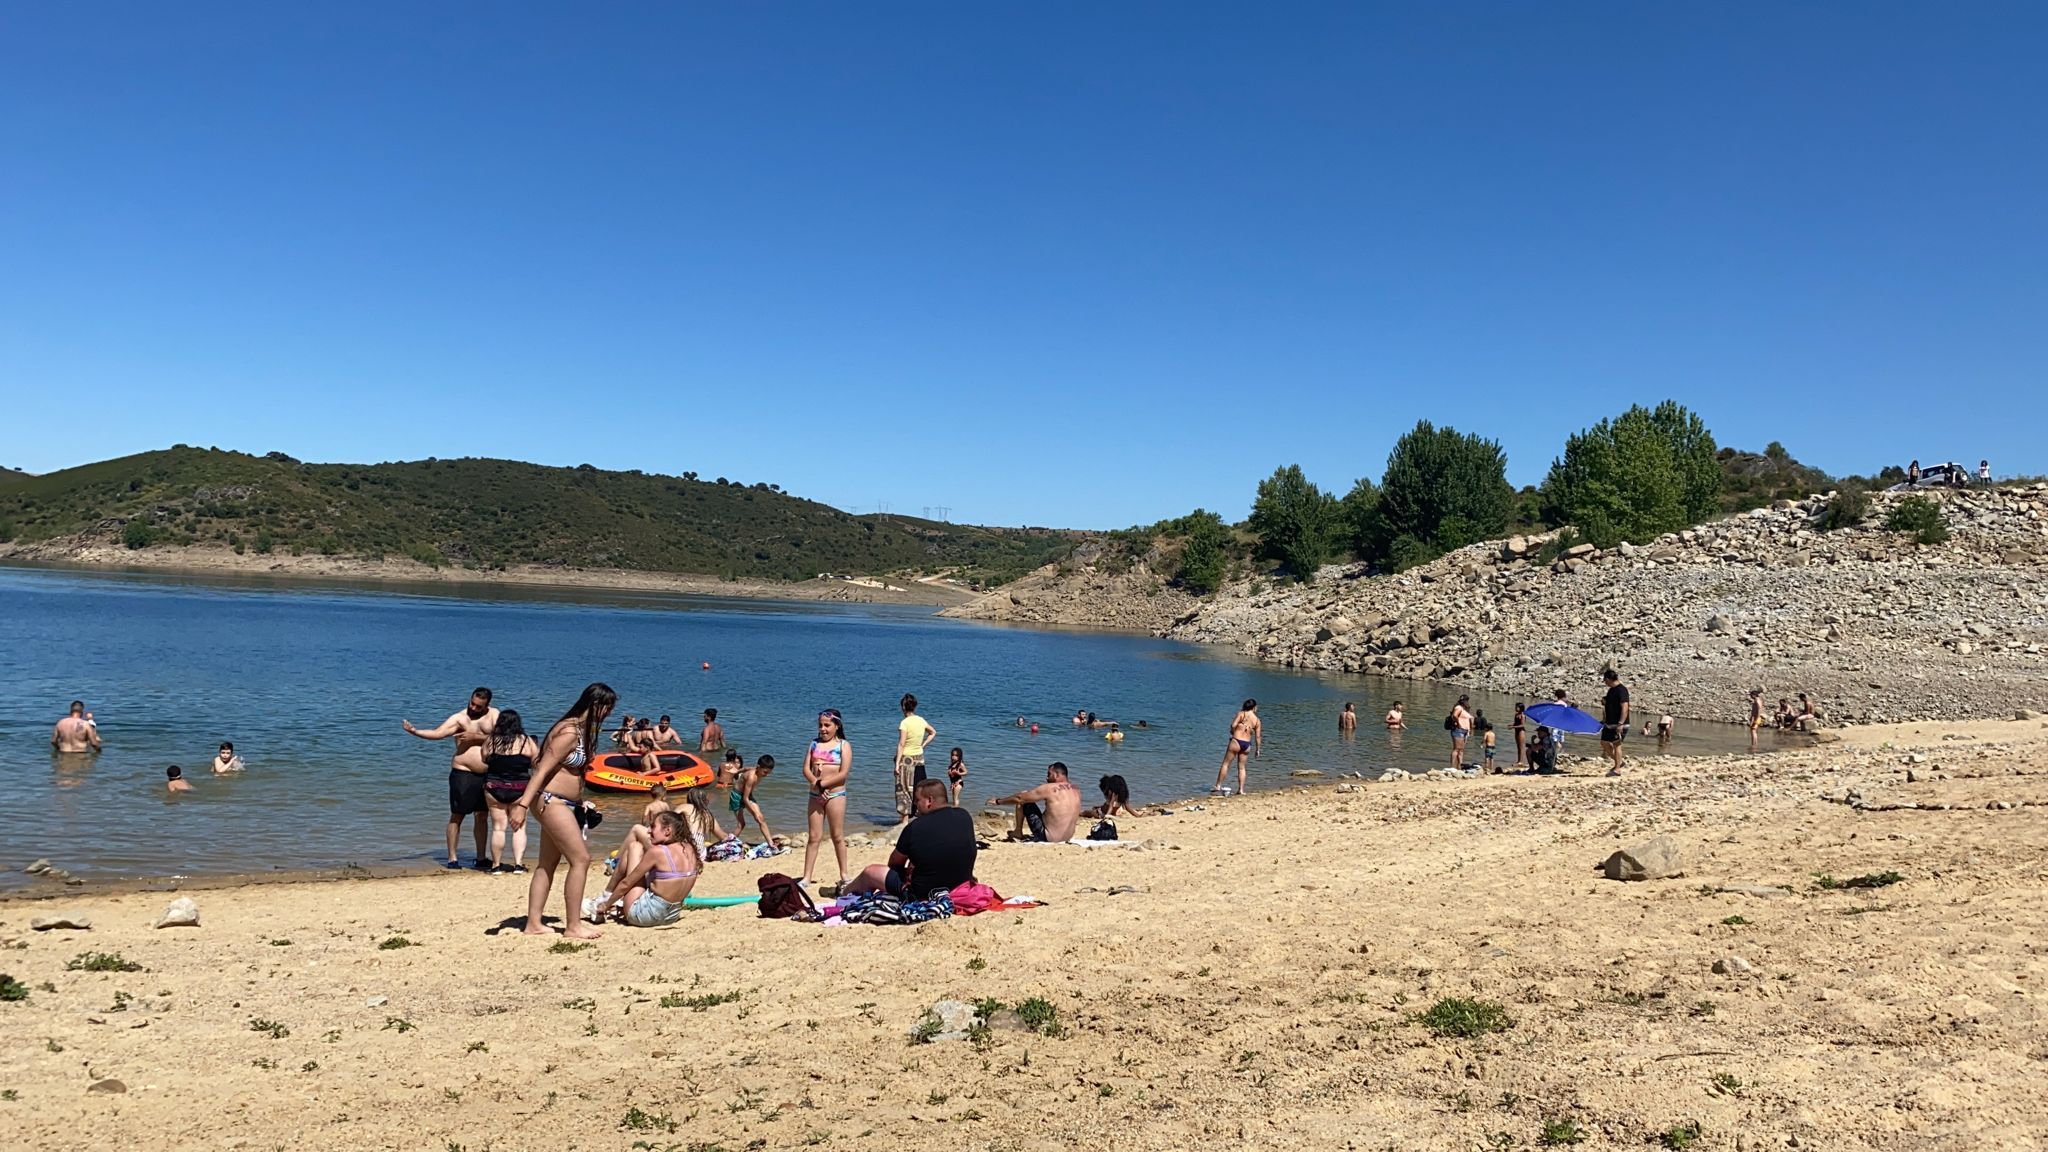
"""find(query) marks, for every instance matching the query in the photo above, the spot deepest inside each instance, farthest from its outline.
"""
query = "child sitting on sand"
(658, 878)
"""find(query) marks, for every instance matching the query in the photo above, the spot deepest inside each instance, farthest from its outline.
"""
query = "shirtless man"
(1054, 822)
(1756, 715)
(76, 732)
(712, 739)
(1396, 718)
(1247, 740)
(1347, 720)
(471, 727)
(665, 736)
(1461, 730)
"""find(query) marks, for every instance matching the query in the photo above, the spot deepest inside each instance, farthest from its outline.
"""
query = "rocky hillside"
(1873, 625)
(1089, 589)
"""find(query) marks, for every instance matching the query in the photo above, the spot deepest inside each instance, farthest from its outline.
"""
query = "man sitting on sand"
(934, 854)
(1054, 823)
(76, 732)
(175, 779)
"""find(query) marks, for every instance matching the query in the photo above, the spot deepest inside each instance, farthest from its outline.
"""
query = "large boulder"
(1657, 858)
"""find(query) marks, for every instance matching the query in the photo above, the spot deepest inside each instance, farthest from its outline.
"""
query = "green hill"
(1752, 480)
(7, 474)
(493, 513)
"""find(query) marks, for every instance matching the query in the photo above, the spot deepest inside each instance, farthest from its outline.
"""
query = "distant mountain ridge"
(484, 513)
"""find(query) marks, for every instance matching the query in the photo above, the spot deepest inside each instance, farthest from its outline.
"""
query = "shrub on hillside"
(138, 534)
(1295, 521)
(1848, 507)
(1920, 516)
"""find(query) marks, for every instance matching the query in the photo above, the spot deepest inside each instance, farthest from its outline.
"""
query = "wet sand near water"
(1262, 983)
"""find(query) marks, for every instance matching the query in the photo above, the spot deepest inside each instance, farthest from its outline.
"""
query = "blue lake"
(311, 681)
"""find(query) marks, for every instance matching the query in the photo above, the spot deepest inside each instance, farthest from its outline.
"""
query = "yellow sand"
(1259, 989)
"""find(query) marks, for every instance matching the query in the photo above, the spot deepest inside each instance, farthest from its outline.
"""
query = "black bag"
(1451, 722)
(782, 897)
(1106, 830)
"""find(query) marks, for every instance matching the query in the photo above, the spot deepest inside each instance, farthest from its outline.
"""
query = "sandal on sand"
(453, 866)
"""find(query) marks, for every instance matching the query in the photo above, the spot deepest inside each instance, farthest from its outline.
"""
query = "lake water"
(311, 681)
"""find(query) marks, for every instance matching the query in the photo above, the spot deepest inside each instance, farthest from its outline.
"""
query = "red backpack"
(782, 897)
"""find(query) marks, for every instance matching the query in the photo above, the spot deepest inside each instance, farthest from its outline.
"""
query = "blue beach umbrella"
(1562, 718)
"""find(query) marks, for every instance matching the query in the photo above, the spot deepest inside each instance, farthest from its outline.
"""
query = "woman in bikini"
(508, 765)
(1521, 738)
(659, 878)
(827, 764)
(553, 794)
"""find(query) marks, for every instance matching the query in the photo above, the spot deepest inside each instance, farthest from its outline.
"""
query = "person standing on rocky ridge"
(1247, 740)
(1613, 719)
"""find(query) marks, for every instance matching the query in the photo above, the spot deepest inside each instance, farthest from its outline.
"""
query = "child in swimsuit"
(827, 764)
(655, 885)
(956, 775)
(1486, 748)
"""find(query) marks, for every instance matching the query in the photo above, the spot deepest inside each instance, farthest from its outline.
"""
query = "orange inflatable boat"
(621, 772)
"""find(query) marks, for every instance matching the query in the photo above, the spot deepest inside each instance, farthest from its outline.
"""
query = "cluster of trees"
(1637, 476)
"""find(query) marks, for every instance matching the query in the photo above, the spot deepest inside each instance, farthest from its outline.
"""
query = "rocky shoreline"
(1874, 626)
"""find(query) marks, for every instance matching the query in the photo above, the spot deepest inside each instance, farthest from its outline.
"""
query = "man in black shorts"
(934, 854)
(1613, 719)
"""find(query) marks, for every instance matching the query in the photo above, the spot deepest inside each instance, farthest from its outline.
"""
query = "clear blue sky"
(1079, 264)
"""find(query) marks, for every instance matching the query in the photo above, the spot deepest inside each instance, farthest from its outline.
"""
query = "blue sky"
(1079, 264)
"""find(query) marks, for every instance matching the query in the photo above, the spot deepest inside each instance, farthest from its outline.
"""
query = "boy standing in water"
(175, 779)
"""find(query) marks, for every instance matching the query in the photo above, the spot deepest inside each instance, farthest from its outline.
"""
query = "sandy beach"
(1263, 982)
(205, 561)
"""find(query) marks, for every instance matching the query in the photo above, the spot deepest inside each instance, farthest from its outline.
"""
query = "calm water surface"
(311, 683)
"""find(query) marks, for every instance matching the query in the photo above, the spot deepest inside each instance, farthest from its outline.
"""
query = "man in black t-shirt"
(934, 854)
(1613, 719)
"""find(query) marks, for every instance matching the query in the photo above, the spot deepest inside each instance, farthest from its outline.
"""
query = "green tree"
(138, 534)
(1695, 458)
(1203, 558)
(1295, 521)
(1635, 477)
(1443, 489)
(1360, 514)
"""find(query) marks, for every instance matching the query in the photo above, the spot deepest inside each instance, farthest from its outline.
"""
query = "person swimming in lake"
(225, 760)
(828, 763)
(1347, 720)
(174, 779)
(1115, 735)
(1395, 717)
(76, 732)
